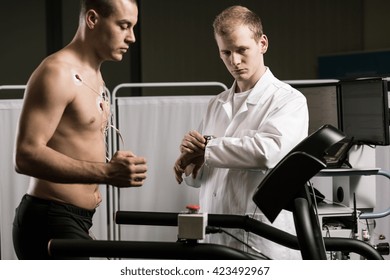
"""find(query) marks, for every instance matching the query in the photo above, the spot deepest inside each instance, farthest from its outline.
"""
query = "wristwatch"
(208, 138)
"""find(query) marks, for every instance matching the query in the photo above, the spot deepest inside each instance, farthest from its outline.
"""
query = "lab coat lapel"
(228, 105)
(226, 99)
(233, 120)
(256, 96)
(244, 108)
(228, 109)
(237, 120)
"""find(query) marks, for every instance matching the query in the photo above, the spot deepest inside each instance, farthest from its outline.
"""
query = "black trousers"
(37, 221)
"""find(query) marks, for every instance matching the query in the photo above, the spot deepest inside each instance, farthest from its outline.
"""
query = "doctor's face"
(242, 55)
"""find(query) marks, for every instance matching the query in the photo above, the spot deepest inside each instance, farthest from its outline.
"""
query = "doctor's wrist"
(208, 138)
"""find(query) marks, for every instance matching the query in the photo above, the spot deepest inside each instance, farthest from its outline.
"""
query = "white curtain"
(12, 185)
(153, 127)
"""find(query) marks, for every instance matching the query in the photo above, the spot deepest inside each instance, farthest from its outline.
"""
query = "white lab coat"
(268, 125)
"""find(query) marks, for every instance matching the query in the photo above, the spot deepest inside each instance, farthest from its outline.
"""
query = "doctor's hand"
(193, 142)
(187, 163)
(191, 159)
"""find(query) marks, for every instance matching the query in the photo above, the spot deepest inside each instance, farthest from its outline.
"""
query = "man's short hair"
(103, 7)
(229, 18)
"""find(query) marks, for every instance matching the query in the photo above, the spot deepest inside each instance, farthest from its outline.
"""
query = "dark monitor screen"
(364, 111)
(322, 100)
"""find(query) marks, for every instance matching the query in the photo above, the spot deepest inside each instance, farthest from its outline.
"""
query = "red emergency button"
(193, 208)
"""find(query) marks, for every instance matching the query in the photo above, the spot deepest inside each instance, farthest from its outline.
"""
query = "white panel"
(12, 185)
(154, 127)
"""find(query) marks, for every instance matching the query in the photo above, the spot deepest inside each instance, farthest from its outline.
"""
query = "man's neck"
(85, 56)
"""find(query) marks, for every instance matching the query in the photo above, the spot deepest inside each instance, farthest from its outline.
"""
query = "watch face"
(208, 138)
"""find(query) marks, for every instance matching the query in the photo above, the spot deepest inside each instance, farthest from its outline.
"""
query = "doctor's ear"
(264, 44)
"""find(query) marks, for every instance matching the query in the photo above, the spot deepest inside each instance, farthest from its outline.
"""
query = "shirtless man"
(61, 135)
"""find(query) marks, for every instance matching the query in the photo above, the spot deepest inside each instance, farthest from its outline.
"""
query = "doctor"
(248, 129)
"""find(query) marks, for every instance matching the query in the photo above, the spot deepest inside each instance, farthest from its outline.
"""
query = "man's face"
(117, 30)
(242, 55)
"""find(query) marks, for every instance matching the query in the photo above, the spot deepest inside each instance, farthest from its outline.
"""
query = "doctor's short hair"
(103, 7)
(229, 18)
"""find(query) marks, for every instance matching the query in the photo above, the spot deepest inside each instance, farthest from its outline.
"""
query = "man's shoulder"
(286, 88)
(282, 92)
(52, 77)
(56, 62)
(53, 68)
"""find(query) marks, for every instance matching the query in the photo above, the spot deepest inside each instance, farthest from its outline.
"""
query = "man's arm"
(47, 97)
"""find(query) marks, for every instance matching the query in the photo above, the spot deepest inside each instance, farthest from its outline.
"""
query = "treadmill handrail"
(251, 225)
